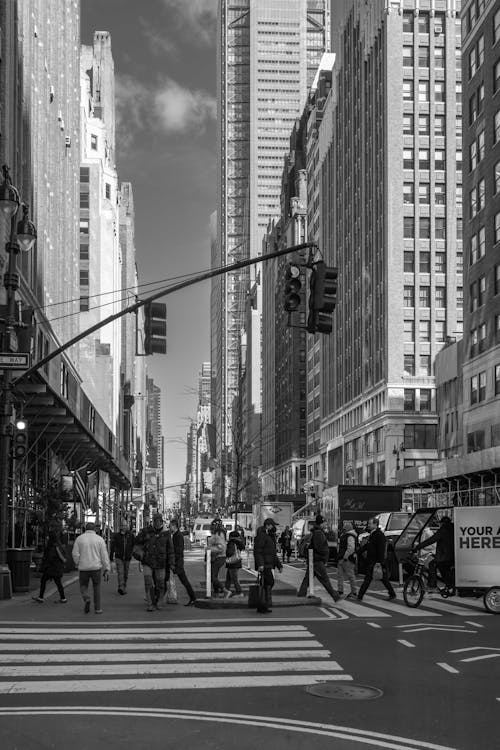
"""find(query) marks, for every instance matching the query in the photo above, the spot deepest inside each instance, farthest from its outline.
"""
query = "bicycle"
(417, 584)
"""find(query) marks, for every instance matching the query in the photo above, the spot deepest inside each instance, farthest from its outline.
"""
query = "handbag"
(378, 572)
(235, 557)
(171, 591)
(138, 552)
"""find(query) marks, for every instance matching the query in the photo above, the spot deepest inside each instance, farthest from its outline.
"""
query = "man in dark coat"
(321, 552)
(52, 567)
(158, 558)
(178, 542)
(266, 559)
(286, 543)
(122, 544)
(375, 550)
(444, 539)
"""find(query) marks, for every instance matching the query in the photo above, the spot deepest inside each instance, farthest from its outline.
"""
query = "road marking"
(265, 629)
(330, 615)
(437, 630)
(360, 610)
(447, 667)
(139, 637)
(406, 643)
(376, 739)
(450, 608)
(144, 656)
(476, 624)
(474, 648)
(426, 624)
(374, 624)
(181, 646)
(394, 607)
(480, 658)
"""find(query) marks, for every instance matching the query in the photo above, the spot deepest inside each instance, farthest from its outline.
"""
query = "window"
(424, 330)
(481, 337)
(425, 399)
(473, 342)
(440, 296)
(424, 296)
(475, 441)
(423, 91)
(408, 158)
(482, 386)
(424, 264)
(84, 200)
(473, 296)
(408, 227)
(423, 125)
(84, 226)
(423, 23)
(409, 192)
(439, 57)
(408, 124)
(84, 277)
(409, 364)
(409, 399)
(439, 125)
(497, 328)
(440, 263)
(439, 91)
(474, 382)
(420, 436)
(84, 304)
(482, 242)
(409, 296)
(84, 174)
(108, 190)
(496, 277)
(440, 330)
(496, 176)
(409, 261)
(440, 228)
(425, 365)
(480, 98)
(423, 158)
(408, 22)
(93, 142)
(480, 146)
(460, 296)
(424, 57)
(409, 331)
(424, 228)
(458, 159)
(472, 156)
(424, 193)
(84, 252)
(408, 56)
(408, 91)
(440, 158)
(497, 228)
(440, 194)
(496, 134)
(472, 62)
(496, 76)
(497, 379)
(481, 291)
(481, 195)
(496, 27)
(472, 108)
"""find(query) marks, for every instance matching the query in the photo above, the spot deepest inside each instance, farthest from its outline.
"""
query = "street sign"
(18, 361)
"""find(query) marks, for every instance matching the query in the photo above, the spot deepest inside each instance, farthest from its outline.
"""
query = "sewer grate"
(349, 692)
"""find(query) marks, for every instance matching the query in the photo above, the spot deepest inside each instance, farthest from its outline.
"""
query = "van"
(202, 528)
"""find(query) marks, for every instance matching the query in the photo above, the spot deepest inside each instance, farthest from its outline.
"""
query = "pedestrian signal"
(20, 443)
(322, 298)
(293, 286)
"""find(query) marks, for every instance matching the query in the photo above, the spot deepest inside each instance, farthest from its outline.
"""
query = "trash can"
(19, 562)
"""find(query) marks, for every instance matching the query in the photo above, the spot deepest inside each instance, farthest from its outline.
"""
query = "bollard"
(400, 566)
(310, 588)
(208, 576)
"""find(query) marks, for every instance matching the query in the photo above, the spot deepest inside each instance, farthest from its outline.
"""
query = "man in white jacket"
(92, 560)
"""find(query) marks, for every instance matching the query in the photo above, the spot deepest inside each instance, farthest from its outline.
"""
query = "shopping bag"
(171, 591)
(255, 593)
(378, 572)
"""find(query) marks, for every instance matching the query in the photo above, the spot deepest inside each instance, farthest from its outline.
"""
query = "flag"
(80, 486)
(92, 489)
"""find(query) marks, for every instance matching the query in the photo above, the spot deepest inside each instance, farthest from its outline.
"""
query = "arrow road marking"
(474, 648)
(425, 624)
(438, 629)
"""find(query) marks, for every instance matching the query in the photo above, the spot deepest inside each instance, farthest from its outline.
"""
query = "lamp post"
(21, 237)
(396, 451)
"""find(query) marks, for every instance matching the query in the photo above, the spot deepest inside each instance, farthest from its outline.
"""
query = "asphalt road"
(186, 678)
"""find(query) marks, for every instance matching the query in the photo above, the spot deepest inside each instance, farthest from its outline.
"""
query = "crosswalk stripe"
(400, 609)
(359, 610)
(450, 608)
(143, 656)
(178, 646)
(298, 631)
(140, 636)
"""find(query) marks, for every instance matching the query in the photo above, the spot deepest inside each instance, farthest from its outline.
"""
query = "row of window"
(424, 331)
(422, 23)
(424, 91)
(424, 159)
(478, 385)
(410, 401)
(478, 289)
(424, 227)
(424, 124)
(424, 262)
(424, 56)
(424, 296)
(424, 193)
(424, 368)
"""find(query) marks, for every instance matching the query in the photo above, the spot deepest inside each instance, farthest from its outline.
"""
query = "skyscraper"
(268, 53)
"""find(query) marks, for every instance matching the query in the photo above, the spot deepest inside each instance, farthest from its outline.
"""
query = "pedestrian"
(285, 541)
(92, 560)
(346, 559)
(321, 553)
(266, 559)
(52, 567)
(235, 546)
(122, 544)
(216, 543)
(178, 542)
(375, 551)
(158, 558)
(444, 539)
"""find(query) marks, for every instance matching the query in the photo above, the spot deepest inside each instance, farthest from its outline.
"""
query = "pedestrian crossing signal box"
(19, 443)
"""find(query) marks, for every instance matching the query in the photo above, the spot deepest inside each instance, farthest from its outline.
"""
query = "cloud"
(196, 17)
(159, 43)
(181, 109)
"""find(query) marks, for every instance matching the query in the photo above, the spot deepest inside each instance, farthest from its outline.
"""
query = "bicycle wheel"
(413, 591)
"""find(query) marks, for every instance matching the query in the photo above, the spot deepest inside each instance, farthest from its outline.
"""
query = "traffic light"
(155, 328)
(322, 298)
(293, 286)
(20, 441)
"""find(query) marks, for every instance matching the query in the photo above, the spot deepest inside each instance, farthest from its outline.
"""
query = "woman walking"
(235, 546)
(52, 567)
(217, 546)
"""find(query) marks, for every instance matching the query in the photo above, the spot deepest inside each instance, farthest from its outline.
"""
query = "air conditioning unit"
(438, 29)
(67, 141)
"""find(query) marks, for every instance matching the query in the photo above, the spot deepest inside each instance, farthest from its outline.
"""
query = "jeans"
(216, 564)
(57, 580)
(268, 581)
(346, 568)
(232, 579)
(369, 579)
(154, 584)
(85, 576)
(181, 574)
(322, 575)
(122, 567)
(286, 552)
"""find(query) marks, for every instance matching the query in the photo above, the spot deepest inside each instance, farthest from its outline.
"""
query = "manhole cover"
(349, 692)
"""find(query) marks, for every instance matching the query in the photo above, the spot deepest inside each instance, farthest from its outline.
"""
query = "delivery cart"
(477, 549)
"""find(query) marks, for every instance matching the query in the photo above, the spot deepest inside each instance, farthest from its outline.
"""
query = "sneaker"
(98, 611)
(391, 597)
(121, 592)
(86, 608)
(38, 599)
(227, 594)
(62, 601)
(150, 608)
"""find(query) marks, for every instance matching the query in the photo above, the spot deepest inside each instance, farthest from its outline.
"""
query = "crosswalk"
(73, 659)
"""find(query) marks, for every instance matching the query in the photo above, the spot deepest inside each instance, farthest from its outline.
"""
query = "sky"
(165, 68)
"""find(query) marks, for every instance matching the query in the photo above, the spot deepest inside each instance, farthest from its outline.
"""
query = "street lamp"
(21, 238)
(396, 452)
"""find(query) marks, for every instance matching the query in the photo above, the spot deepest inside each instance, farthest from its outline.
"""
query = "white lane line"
(132, 637)
(427, 624)
(180, 646)
(164, 683)
(481, 658)
(448, 608)
(476, 624)
(436, 630)
(474, 648)
(265, 629)
(145, 656)
(447, 667)
(396, 608)
(330, 615)
(222, 620)
(168, 668)
(408, 644)
(374, 624)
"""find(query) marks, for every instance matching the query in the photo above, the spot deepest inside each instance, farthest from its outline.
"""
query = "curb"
(310, 601)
